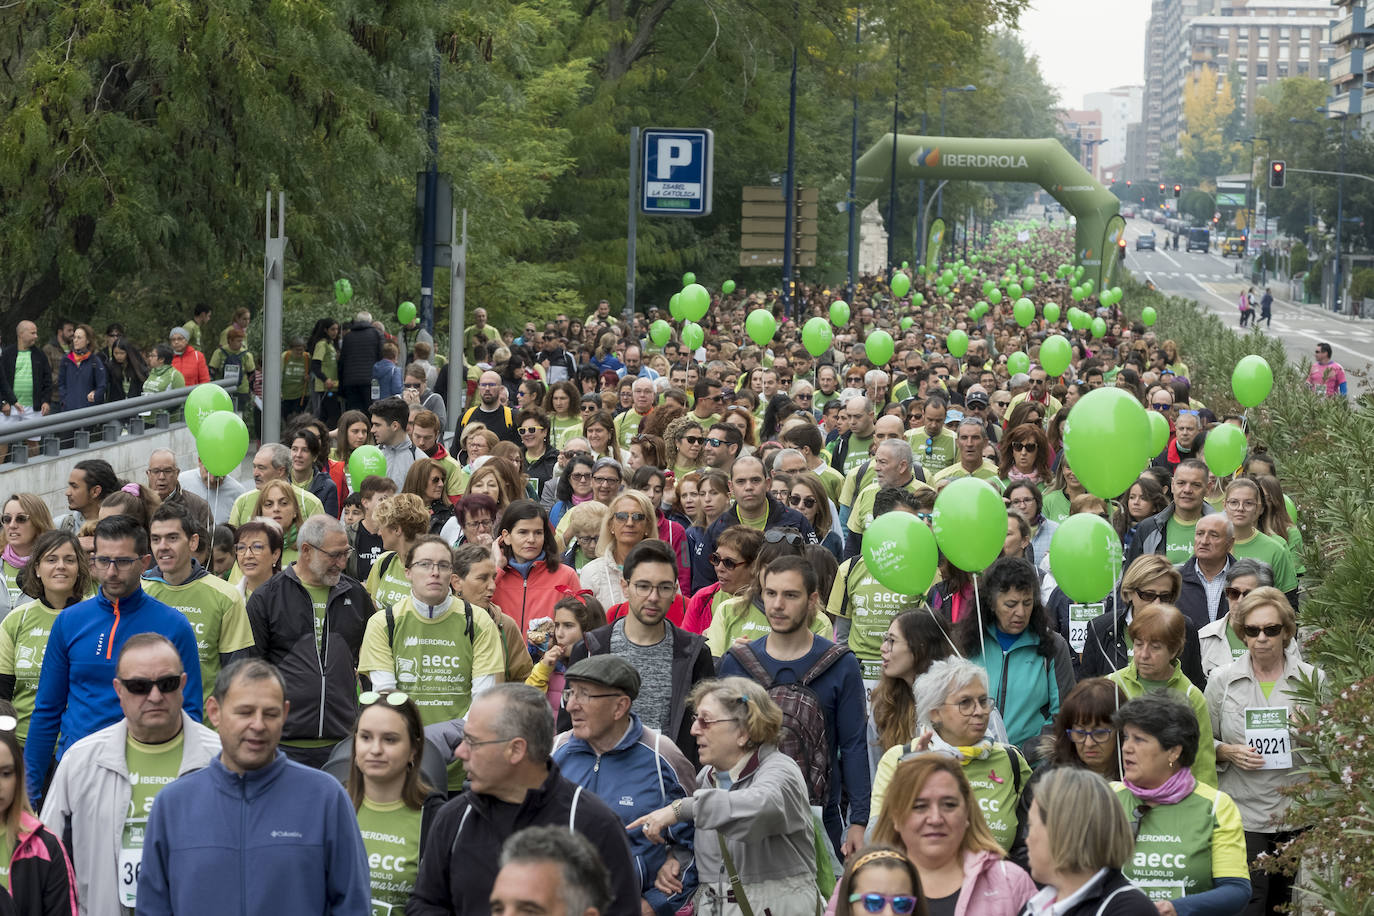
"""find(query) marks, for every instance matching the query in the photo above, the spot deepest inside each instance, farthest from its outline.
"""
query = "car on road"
(1199, 238)
(1233, 245)
(1145, 241)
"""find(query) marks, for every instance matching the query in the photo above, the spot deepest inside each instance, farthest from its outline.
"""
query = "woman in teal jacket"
(1028, 664)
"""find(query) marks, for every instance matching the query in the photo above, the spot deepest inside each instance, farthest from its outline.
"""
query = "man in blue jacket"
(632, 768)
(76, 695)
(253, 832)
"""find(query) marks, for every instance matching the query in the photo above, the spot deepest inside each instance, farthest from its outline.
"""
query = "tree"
(1207, 146)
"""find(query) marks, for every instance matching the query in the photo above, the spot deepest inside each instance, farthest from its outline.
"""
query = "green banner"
(935, 243)
(1111, 251)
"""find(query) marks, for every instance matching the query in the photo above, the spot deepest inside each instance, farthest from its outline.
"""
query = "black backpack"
(805, 737)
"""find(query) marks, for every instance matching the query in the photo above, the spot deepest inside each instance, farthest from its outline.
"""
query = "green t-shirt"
(162, 378)
(627, 426)
(1181, 849)
(1056, 506)
(23, 640)
(391, 835)
(861, 516)
(998, 790)
(736, 617)
(217, 614)
(565, 429)
(934, 452)
(233, 364)
(1295, 548)
(319, 604)
(758, 524)
(151, 768)
(295, 370)
(387, 587)
(854, 484)
(23, 380)
(870, 607)
(11, 577)
(1178, 540)
(857, 454)
(986, 471)
(329, 361)
(1271, 550)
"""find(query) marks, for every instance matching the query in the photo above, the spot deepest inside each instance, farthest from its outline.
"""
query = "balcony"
(1347, 67)
(1351, 26)
(1347, 104)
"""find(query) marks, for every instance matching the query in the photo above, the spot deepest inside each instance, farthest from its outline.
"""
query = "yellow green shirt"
(151, 768)
(23, 640)
(737, 616)
(391, 836)
(217, 614)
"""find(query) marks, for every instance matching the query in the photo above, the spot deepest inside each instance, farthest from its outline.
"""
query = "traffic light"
(1121, 248)
(1161, 187)
(1178, 191)
(1277, 173)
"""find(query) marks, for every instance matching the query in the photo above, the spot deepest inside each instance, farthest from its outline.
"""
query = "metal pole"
(1340, 218)
(920, 246)
(457, 304)
(892, 187)
(632, 230)
(854, 167)
(273, 281)
(789, 185)
(940, 194)
(431, 205)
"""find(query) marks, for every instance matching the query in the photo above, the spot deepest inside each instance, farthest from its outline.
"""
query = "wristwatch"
(677, 809)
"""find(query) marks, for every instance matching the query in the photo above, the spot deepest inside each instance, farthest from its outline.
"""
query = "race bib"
(1080, 615)
(130, 863)
(1266, 732)
(232, 371)
(1161, 889)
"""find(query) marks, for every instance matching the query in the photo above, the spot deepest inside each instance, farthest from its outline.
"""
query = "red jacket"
(677, 611)
(699, 610)
(191, 365)
(529, 598)
(673, 534)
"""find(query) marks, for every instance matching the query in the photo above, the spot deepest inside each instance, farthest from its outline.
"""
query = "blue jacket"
(282, 839)
(1026, 686)
(633, 779)
(76, 380)
(75, 692)
(387, 374)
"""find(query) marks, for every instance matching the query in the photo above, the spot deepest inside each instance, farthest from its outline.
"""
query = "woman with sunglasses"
(561, 405)
(631, 519)
(1024, 456)
(879, 880)
(1219, 643)
(540, 459)
(394, 803)
(57, 576)
(1189, 836)
(682, 445)
(1150, 579)
(26, 518)
(810, 497)
(1257, 770)
(737, 549)
(574, 486)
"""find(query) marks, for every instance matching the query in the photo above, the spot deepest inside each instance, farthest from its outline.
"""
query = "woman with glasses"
(932, 815)
(599, 431)
(401, 520)
(631, 519)
(531, 568)
(25, 520)
(56, 576)
(394, 803)
(561, 405)
(539, 458)
(742, 615)
(257, 552)
(574, 486)
(1150, 579)
(751, 801)
(1189, 836)
(608, 479)
(581, 531)
(1219, 643)
(1028, 664)
(809, 497)
(1025, 497)
(737, 549)
(682, 446)
(1244, 504)
(426, 479)
(1257, 770)
(1025, 456)
(953, 711)
(1157, 633)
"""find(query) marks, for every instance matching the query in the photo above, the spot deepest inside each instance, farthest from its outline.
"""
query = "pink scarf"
(1176, 788)
(14, 559)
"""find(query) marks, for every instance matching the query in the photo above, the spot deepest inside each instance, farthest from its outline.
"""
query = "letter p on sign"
(675, 171)
(672, 153)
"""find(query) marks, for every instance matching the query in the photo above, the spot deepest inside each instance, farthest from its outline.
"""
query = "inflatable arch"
(1044, 162)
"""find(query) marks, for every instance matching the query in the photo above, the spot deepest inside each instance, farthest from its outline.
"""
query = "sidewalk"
(1233, 290)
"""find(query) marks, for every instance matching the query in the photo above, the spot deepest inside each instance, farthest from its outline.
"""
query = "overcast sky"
(1087, 45)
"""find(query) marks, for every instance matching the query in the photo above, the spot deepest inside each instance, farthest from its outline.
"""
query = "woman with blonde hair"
(401, 519)
(277, 501)
(630, 519)
(581, 530)
(490, 480)
(1149, 578)
(599, 431)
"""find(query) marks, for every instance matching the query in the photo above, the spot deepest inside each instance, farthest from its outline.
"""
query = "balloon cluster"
(221, 435)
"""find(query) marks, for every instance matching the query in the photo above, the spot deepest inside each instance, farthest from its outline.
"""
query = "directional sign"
(675, 171)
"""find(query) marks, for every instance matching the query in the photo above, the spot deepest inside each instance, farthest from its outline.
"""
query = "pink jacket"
(673, 534)
(699, 611)
(993, 886)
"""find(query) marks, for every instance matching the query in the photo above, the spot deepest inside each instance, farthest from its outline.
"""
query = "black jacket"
(542, 470)
(692, 662)
(321, 684)
(458, 865)
(1192, 597)
(1105, 648)
(359, 351)
(779, 516)
(1112, 896)
(42, 376)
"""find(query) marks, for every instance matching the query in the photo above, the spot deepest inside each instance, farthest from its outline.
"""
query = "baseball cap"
(976, 395)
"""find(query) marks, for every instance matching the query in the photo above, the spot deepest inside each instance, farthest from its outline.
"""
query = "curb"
(1303, 308)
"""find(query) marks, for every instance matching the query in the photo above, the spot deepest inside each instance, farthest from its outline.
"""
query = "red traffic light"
(1178, 190)
(1277, 173)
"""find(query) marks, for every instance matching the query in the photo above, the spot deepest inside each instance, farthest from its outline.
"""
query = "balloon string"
(1116, 694)
(978, 609)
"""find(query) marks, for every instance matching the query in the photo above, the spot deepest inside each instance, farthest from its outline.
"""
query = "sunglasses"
(714, 442)
(142, 686)
(693, 440)
(630, 516)
(17, 519)
(1023, 446)
(529, 430)
(782, 534)
(588, 408)
(1272, 630)
(807, 501)
(1235, 594)
(726, 563)
(902, 904)
(392, 697)
(1162, 408)
(1152, 597)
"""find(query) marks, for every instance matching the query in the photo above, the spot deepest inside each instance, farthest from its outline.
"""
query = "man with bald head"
(851, 449)
(164, 480)
(25, 382)
(641, 405)
(489, 411)
(1202, 597)
(752, 507)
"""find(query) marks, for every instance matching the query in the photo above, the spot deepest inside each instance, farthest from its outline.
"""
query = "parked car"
(1233, 245)
(1145, 241)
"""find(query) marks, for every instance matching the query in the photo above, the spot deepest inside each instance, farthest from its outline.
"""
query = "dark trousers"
(1268, 891)
(313, 757)
(357, 397)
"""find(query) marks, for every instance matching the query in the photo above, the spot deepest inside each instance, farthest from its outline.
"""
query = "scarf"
(1176, 788)
(14, 559)
(965, 754)
(1014, 474)
(579, 500)
(79, 356)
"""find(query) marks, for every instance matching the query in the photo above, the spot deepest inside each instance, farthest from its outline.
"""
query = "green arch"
(1044, 162)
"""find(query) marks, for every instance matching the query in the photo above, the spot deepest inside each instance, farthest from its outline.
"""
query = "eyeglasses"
(529, 430)
(902, 904)
(142, 686)
(161, 472)
(472, 742)
(1024, 446)
(1272, 630)
(428, 566)
(488, 384)
(254, 549)
(581, 476)
(729, 564)
(801, 396)
(481, 524)
(392, 697)
(336, 556)
(1189, 413)
(588, 541)
(807, 501)
(1089, 735)
(630, 516)
(583, 696)
(968, 705)
(1160, 406)
(606, 481)
(782, 534)
(665, 590)
(1235, 594)
(17, 519)
(699, 719)
(692, 440)
(1152, 597)
(1246, 504)
(121, 563)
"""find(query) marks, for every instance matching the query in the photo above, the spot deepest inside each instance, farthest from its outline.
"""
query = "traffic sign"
(675, 171)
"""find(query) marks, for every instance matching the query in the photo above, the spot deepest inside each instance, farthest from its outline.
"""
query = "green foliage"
(1199, 205)
(1362, 284)
(1297, 258)
(1313, 282)
(1325, 448)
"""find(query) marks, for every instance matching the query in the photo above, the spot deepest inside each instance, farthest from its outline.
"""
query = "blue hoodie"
(634, 779)
(282, 839)
(76, 695)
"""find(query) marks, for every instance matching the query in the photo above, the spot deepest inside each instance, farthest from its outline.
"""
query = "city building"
(1120, 107)
(1351, 72)
(1084, 127)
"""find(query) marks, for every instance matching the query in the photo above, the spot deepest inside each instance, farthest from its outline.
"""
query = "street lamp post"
(940, 196)
(892, 186)
(1254, 186)
(1340, 202)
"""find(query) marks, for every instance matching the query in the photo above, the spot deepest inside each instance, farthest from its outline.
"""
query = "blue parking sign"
(675, 171)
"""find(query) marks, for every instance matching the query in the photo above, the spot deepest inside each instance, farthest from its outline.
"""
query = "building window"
(1283, 69)
(1261, 68)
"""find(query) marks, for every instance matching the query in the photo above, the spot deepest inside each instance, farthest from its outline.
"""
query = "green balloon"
(1085, 557)
(1148, 316)
(1292, 509)
(1014, 290)
(692, 335)
(727, 287)
(918, 299)
(1159, 431)
(1107, 441)
(980, 308)
(921, 269)
(839, 313)
(1028, 283)
(222, 442)
(905, 265)
(1099, 328)
(900, 552)
(1055, 355)
(405, 313)
(204, 400)
(879, 347)
(343, 290)
(660, 332)
(696, 301)
(1252, 380)
(816, 336)
(995, 297)
(1018, 362)
(1224, 450)
(970, 523)
(957, 343)
(1052, 313)
(675, 307)
(760, 325)
(901, 285)
(689, 278)
(1117, 294)
(988, 287)
(906, 323)
(366, 461)
(1024, 311)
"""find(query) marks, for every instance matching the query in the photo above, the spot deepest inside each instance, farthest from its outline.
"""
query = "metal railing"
(107, 424)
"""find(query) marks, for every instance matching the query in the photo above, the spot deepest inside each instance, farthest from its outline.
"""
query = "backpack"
(805, 737)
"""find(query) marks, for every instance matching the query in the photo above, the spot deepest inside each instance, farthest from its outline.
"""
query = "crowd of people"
(605, 640)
